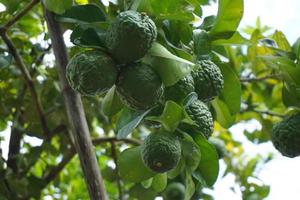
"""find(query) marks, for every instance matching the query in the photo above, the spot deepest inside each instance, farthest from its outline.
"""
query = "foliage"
(261, 83)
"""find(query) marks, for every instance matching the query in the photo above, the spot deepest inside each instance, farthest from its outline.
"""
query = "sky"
(282, 174)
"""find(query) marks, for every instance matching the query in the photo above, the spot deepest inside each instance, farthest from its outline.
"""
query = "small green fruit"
(180, 90)
(286, 136)
(200, 114)
(161, 152)
(130, 36)
(139, 86)
(208, 80)
(91, 72)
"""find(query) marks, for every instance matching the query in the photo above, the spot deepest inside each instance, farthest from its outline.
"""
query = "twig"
(114, 139)
(115, 158)
(248, 80)
(269, 113)
(23, 12)
(28, 79)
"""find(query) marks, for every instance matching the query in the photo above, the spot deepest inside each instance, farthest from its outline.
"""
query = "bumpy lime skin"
(161, 152)
(286, 136)
(180, 90)
(208, 80)
(200, 114)
(219, 145)
(91, 72)
(175, 191)
(130, 36)
(139, 87)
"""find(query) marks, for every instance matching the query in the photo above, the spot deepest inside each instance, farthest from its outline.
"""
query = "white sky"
(278, 14)
(282, 173)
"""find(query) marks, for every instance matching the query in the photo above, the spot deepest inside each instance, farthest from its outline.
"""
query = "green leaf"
(232, 91)
(209, 163)
(177, 170)
(159, 182)
(171, 116)
(83, 14)
(5, 61)
(139, 192)
(281, 41)
(236, 39)
(11, 6)
(18, 185)
(147, 183)
(224, 116)
(290, 96)
(202, 44)
(191, 153)
(58, 6)
(172, 10)
(109, 174)
(170, 67)
(189, 186)
(230, 13)
(111, 103)
(296, 48)
(131, 166)
(208, 22)
(88, 36)
(291, 71)
(128, 121)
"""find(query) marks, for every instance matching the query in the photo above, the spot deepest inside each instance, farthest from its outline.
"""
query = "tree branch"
(76, 116)
(15, 134)
(114, 139)
(269, 113)
(28, 79)
(23, 12)
(249, 80)
(115, 158)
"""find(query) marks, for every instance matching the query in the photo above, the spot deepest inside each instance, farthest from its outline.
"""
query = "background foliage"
(260, 68)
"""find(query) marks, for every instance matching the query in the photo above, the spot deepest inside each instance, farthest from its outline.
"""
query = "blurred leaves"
(230, 13)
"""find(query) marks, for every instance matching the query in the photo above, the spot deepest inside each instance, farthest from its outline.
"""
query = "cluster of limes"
(128, 39)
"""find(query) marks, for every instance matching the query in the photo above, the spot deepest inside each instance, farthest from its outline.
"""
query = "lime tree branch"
(266, 112)
(75, 112)
(258, 79)
(114, 139)
(15, 133)
(115, 158)
(29, 81)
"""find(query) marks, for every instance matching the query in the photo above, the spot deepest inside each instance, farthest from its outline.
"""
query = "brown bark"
(76, 116)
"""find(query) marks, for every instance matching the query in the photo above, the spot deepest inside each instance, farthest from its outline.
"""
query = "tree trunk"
(76, 116)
